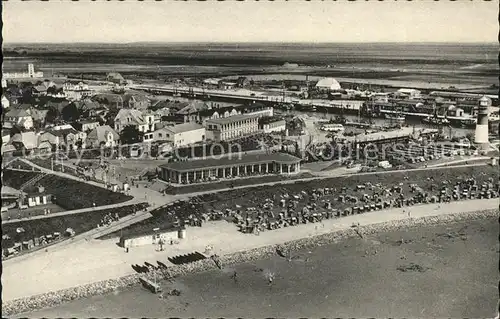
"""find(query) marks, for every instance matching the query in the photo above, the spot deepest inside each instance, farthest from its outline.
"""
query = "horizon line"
(257, 42)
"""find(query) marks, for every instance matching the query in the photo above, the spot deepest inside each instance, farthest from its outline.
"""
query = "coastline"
(51, 299)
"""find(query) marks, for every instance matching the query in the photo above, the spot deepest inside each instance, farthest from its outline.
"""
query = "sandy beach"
(353, 278)
(92, 261)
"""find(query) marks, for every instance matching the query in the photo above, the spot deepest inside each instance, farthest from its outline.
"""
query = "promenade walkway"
(75, 211)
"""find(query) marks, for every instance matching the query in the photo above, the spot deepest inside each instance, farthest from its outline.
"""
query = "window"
(160, 134)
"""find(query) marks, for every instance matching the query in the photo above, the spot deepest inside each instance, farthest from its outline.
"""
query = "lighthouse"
(481, 137)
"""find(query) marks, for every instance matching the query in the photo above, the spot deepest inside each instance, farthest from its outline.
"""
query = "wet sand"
(354, 278)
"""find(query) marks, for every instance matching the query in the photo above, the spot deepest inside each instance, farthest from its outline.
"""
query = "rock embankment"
(52, 299)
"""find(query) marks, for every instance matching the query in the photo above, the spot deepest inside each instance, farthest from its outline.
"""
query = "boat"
(468, 122)
(395, 117)
(332, 127)
(435, 120)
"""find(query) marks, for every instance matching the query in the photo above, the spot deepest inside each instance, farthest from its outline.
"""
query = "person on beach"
(234, 276)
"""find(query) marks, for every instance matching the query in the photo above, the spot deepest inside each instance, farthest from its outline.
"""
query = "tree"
(52, 90)
(110, 117)
(130, 135)
(52, 115)
(70, 113)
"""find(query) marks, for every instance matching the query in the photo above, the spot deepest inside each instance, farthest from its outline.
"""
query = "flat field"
(414, 64)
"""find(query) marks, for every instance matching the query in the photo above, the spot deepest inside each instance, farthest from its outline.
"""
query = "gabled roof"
(38, 115)
(29, 139)
(134, 115)
(185, 127)
(40, 88)
(17, 113)
(136, 97)
(63, 132)
(99, 133)
(194, 107)
(115, 75)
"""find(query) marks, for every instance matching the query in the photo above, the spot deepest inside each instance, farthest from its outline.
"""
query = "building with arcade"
(234, 165)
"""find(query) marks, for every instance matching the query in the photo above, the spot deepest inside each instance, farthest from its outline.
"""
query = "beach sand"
(353, 278)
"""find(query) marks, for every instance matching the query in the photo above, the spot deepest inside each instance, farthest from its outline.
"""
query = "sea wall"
(52, 299)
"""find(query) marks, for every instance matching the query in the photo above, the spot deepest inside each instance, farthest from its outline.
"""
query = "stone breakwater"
(52, 299)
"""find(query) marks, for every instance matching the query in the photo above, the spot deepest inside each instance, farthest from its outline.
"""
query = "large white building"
(329, 84)
(223, 129)
(178, 135)
(30, 74)
(76, 91)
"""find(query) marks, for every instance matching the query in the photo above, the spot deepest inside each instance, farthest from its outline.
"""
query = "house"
(144, 121)
(272, 124)
(136, 101)
(76, 91)
(25, 141)
(8, 150)
(212, 83)
(38, 115)
(88, 108)
(115, 78)
(179, 135)
(68, 137)
(225, 85)
(62, 127)
(191, 112)
(45, 147)
(85, 125)
(5, 136)
(52, 138)
(39, 90)
(102, 136)
(408, 93)
(20, 117)
(111, 100)
(36, 196)
(5, 102)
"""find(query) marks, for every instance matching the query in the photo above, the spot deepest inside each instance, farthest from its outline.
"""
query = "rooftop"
(232, 119)
(185, 127)
(231, 160)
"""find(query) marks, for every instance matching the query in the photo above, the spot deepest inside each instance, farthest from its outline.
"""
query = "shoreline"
(51, 299)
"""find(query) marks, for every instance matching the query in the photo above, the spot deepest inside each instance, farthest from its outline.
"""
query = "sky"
(250, 21)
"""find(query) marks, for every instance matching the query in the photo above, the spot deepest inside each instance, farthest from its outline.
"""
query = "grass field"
(69, 194)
